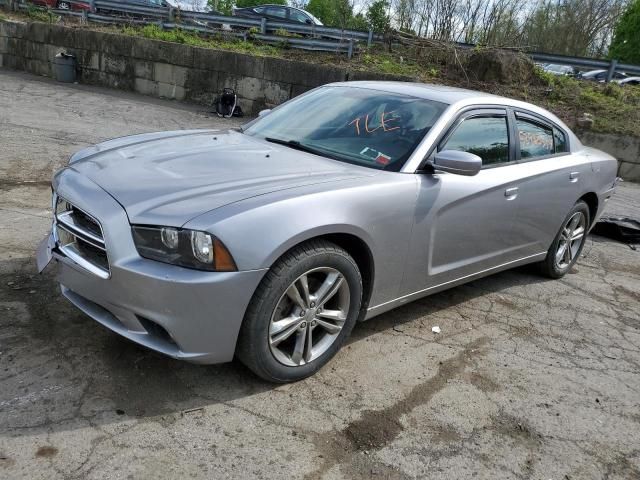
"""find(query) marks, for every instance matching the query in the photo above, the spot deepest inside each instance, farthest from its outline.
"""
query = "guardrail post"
(350, 51)
(172, 14)
(612, 69)
(263, 26)
(370, 39)
(85, 16)
(92, 6)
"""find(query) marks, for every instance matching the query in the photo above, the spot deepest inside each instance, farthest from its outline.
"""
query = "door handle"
(573, 177)
(511, 193)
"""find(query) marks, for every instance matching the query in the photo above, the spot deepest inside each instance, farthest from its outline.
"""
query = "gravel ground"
(529, 379)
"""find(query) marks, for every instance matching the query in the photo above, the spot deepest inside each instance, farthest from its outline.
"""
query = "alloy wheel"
(309, 316)
(571, 238)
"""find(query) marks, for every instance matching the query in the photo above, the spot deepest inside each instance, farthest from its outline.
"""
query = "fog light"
(202, 246)
(169, 237)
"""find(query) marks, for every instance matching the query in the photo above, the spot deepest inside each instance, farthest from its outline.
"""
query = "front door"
(464, 225)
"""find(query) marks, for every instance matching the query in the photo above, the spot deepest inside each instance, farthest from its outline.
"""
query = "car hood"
(171, 177)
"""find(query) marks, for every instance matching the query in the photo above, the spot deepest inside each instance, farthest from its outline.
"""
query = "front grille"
(79, 236)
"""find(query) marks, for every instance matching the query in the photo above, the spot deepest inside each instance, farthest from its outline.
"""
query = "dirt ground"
(529, 379)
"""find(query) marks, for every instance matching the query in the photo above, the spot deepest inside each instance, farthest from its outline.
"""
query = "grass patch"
(41, 15)
(189, 38)
(390, 64)
(615, 109)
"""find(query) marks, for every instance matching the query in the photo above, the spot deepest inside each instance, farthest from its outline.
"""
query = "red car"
(63, 4)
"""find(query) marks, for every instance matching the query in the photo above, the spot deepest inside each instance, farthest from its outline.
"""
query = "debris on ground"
(435, 329)
(623, 229)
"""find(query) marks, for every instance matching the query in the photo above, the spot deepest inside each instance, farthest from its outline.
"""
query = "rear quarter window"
(560, 141)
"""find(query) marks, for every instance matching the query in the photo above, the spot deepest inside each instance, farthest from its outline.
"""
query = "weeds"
(40, 15)
(189, 38)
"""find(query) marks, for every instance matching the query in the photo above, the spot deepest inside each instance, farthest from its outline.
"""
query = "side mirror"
(307, 21)
(262, 113)
(459, 163)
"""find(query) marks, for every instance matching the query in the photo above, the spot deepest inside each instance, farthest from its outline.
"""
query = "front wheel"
(302, 312)
(567, 245)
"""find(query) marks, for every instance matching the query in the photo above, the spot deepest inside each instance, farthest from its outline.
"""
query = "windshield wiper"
(300, 146)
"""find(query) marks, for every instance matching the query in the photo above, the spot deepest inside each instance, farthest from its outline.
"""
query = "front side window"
(536, 140)
(367, 127)
(487, 137)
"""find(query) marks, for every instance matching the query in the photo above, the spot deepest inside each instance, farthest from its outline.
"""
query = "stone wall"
(163, 69)
(625, 149)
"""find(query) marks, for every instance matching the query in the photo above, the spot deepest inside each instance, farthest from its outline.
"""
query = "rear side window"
(487, 137)
(277, 12)
(536, 140)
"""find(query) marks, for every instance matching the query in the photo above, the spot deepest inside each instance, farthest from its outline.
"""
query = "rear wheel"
(568, 244)
(302, 312)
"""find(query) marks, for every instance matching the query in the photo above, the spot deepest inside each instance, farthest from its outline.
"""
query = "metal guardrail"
(315, 37)
(318, 38)
(610, 65)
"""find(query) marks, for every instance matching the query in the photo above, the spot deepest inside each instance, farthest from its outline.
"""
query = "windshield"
(357, 125)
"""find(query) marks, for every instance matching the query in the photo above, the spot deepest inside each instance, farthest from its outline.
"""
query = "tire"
(555, 267)
(277, 318)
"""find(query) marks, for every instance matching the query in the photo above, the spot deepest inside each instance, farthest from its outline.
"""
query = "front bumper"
(186, 314)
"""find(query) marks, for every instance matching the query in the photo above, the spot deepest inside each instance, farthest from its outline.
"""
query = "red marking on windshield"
(357, 122)
(384, 123)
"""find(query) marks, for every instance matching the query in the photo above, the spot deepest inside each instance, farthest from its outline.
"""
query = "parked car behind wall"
(278, 13)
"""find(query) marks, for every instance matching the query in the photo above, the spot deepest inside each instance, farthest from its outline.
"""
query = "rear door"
(551, 180)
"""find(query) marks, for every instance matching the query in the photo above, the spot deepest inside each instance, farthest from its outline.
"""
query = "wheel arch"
(353, 243)
(591, 199)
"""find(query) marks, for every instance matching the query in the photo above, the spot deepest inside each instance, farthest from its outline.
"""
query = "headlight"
(186, 248)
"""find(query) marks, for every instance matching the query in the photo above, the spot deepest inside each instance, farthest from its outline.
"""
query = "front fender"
(379, 211)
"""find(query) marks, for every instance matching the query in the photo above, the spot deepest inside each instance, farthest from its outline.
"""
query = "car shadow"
(59, 364)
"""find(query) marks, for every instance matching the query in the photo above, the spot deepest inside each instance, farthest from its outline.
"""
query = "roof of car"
(438, 93)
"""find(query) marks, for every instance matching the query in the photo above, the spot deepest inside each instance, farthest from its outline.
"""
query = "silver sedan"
(270, 242)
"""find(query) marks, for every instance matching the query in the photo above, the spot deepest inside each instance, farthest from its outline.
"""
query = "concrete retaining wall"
(625, 149)
(163, 69)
